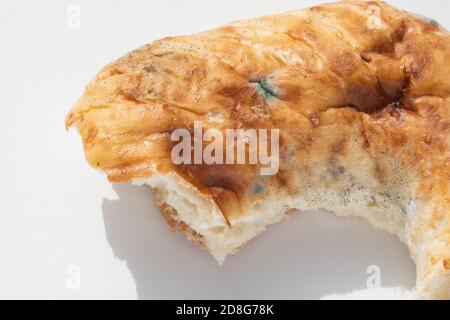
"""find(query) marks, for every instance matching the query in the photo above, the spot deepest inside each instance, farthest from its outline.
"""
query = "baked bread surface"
(363, 113)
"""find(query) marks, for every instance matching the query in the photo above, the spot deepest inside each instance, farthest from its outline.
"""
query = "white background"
(56, 212)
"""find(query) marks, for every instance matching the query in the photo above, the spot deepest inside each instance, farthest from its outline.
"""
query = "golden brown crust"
(344, 95)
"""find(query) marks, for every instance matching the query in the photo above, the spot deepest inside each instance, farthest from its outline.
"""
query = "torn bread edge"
(200, 219)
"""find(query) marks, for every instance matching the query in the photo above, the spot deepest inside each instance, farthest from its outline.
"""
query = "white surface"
(56, 212)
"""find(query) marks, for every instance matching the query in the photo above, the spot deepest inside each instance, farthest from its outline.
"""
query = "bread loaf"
(358, 91)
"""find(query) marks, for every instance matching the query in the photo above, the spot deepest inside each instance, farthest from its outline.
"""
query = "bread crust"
(364, 116)
(175, 223)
